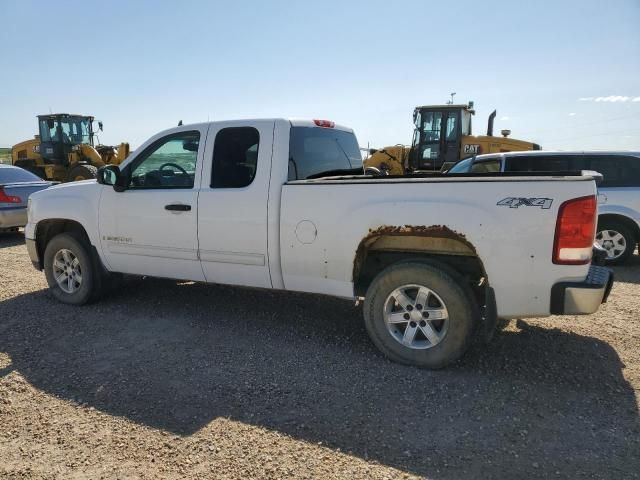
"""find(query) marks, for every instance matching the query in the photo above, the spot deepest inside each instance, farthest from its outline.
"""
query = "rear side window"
(617, 170)
(16, 174)
(538, 163)
(235, 157)
(314, 151)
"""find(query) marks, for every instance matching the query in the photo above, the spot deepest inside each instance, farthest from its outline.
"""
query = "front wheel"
(82, 172)
(69, 269)
(420, 314)
(617, 240)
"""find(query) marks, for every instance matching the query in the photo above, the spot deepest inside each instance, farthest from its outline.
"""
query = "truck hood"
(74, 184)
(82, 191)
(74, 201)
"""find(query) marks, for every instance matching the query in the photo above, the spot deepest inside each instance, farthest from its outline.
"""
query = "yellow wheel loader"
(441, 137)
(64, 149)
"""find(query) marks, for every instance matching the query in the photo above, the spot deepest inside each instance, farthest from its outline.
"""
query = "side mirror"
(190, 145)
(99, 125)
(111, 175)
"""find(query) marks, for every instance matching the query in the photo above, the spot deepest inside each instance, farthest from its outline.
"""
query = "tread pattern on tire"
(91, 274)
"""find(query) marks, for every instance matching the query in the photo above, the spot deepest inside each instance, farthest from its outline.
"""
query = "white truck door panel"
(151, 228)
(232, 204)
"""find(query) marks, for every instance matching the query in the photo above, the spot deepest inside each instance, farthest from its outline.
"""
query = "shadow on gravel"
(11, 239)
(175, 357)
(629, 272)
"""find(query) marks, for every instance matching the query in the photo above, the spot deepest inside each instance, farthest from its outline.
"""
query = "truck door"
(232, 206)
(438, 139)
(151, 227)
(450, 152)
(430, 141)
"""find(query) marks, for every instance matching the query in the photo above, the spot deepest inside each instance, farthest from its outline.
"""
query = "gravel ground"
(182, 380)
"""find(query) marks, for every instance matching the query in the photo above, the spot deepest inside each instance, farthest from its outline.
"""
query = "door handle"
(178, 207)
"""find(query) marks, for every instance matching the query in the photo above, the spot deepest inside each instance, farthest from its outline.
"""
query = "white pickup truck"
(283, 204)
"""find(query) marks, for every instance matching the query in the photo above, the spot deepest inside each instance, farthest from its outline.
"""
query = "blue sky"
(140, 66)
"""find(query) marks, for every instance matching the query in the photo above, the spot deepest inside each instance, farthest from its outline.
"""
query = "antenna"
(450, 102)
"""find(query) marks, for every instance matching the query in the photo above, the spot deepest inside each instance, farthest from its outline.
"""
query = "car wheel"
(617, 239)
(420, 314)
(70, 270)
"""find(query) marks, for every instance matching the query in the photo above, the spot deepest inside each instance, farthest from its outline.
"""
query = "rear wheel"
(617, 239)
(70, 270)
(420, 314)
(82, 172)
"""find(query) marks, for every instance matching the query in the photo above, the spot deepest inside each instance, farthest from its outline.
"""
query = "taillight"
(4, 198)
(575, 231)
(324, 123)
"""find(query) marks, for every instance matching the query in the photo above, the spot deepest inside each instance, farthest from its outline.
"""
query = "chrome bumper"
(13, 217)
(582, 298)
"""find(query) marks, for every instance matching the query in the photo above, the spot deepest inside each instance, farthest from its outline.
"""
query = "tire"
(65, 248)
(82, 172)
(617, 239)
(446, 340)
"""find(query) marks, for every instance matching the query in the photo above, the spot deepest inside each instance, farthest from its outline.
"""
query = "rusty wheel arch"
(414, 241)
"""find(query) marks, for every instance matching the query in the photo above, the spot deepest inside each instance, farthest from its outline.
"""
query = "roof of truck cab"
(302, 122)
(295, 122)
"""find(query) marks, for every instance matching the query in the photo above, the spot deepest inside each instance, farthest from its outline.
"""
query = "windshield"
(75, 130)
(70, 130)
(314, 151)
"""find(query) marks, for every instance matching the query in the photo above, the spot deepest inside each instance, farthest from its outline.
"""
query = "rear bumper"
(13, 217)
(33, 252)
(582, 298)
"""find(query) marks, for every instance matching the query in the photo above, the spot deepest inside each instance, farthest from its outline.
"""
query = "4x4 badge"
(515, 202)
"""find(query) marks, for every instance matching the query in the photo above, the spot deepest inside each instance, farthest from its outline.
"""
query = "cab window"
(539, 163)
(430, 137)
(452, 131)
(49, 130)
(168, 163)
(317, 151)
(235, 157)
